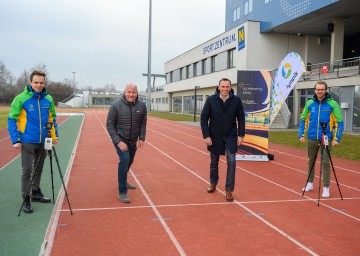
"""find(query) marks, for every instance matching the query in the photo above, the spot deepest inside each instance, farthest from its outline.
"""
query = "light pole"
(195, 102)
(74, 87)
(148, 94)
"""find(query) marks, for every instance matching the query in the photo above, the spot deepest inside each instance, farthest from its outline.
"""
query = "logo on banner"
(289, 72)
(286, 70)
(241, 38)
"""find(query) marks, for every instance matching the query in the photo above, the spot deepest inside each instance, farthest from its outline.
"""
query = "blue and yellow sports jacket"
(29, 113)
(316, 112)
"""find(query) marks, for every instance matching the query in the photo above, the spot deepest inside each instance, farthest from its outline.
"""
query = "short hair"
(321, 82)
(225, 79)
(37, 73)
(131, 85)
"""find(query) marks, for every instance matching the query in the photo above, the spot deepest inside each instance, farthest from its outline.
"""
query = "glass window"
(213, 63)
(177, 107)
(231, 63)
(203, 67)
(195, 66)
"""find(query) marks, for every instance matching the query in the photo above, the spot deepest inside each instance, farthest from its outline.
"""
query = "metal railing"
(337, 69)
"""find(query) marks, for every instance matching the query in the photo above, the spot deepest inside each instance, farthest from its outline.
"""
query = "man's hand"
(334, 143)
(240, 140)
(302, 139)
(208, 141)
(123, 147)
(140, 143)
(17, 145)
(55, 141)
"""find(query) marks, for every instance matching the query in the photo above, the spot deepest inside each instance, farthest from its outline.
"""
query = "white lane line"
(46, 247)
(317, 176)
(304, 158)
(258, 176)
(241, 205)
(162, 221)
(200, 204)
(160, 217)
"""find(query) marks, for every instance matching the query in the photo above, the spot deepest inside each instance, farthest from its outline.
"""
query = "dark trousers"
(125, 160)
(313, 149)
(230, 174)
(31, 155)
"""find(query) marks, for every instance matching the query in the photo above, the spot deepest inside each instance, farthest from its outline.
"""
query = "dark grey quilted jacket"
(127, 121)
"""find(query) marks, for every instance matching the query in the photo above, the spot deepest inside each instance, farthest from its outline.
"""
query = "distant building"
(258, 35)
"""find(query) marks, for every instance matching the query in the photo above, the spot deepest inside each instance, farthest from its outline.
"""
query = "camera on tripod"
(324, 138)
(48, 140)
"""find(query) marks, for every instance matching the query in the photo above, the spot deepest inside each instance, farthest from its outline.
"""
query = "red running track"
(171, 213)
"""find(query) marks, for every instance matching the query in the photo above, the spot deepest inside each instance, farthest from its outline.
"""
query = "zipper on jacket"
(130, 122)
(39, 111)
(317, 126)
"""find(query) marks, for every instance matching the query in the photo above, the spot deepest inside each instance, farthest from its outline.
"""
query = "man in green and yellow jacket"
(30, 114)
(320, 111)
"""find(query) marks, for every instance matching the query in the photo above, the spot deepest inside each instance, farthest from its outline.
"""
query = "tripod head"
(48, 140)
(324, 139)
(323, 127)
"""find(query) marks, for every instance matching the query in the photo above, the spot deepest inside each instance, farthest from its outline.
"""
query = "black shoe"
(27, 205)
(38, 196)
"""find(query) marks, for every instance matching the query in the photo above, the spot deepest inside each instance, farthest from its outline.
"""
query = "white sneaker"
(309, 186)
(326, 192)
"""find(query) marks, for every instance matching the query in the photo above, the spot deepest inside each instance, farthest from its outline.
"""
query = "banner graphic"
(253, 87)
(285, 78)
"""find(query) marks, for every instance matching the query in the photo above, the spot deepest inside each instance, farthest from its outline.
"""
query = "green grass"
(3, 118)
(348, 148)
(173, 117)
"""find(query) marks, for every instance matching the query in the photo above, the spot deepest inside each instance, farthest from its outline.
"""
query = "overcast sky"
(104, 42)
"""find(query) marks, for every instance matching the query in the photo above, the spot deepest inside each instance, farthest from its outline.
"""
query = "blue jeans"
(125, 160)
(230, 174)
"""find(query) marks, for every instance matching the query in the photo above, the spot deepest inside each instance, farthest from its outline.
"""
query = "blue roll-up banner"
(262, 98)
(254, 88)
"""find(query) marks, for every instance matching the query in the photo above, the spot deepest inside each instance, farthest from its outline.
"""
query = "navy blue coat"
(219, 122)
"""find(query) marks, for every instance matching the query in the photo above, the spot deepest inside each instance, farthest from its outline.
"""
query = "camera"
(324, 138)
(323, 126)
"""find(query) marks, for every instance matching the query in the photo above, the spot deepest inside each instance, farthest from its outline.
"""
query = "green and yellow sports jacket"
(29, 114)
(315, 113)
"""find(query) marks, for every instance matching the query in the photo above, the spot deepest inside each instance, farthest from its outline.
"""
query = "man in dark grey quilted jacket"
(126, 125)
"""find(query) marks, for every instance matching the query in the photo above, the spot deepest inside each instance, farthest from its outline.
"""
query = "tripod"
(48, 151)
(323, 144)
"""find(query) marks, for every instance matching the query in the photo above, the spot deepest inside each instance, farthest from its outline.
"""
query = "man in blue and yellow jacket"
(321, 109)
(29, 115)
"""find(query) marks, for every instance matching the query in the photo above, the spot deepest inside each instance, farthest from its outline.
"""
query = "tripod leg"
(62, 180)
(311, 171)
(31, 181)
(52, 175)
(333, 169)
(321, 169)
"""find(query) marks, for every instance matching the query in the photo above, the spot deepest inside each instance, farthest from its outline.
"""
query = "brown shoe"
(229, 196)
(212, 188)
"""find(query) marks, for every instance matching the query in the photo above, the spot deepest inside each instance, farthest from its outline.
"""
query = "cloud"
(103, 41)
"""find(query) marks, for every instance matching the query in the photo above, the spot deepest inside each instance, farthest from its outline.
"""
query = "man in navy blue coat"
(223, 127)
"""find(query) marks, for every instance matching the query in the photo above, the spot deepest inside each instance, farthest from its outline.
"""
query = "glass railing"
(328, 70)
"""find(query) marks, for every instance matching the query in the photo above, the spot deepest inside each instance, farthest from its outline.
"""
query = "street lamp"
(195, 101)
(148, 94)
(74, 87)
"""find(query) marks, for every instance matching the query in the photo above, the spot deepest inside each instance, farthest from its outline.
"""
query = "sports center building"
(258, 35)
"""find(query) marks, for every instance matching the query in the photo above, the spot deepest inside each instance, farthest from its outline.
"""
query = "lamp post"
(74, 87)
(148, 94)
(195, 102)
